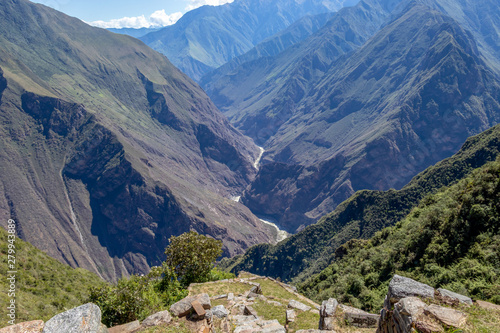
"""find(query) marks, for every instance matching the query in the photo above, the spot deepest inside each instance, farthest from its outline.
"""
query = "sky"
(128, 13)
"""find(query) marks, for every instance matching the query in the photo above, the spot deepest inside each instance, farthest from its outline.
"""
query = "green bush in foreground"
(452, 240)
(137, 297)
(190, 258)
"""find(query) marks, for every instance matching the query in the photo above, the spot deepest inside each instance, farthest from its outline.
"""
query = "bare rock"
(35, 326)
(249, 311)
(158, 318)
(256, 288)
(85, 318)
(290, 316)
(327, 314)
(359, 318)
(125, 328)
(293, 304)
(220, 311)
(184, 307)
(451, 297)
(447, 316)
(401, 287)
(488, 305)
(406, 312)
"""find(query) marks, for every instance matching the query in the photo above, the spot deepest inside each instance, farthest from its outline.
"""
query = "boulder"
(126, 328)
(447, 316)
(359, 318)
(35, 326)
(406, 311)
(451, 297)
(401, 287)
(256, 288)
(220, 311)
(315, 331)
(249, 311)
(290, 316)
(184, 307)
(293, 304)
(158, 318)
(85, 318)
(488, 305)
(327, 314)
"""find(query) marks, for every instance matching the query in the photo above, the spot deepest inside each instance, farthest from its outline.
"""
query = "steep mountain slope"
(259, 95)
(365, 213)
(406, 99)
(451, 241)
(208, 37)
(107, 149)
(44, 286)
(273, 45)
(481, 19)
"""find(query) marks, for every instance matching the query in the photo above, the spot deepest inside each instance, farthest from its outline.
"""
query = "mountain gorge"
(382, 91)
(107, 149)
(208, 37)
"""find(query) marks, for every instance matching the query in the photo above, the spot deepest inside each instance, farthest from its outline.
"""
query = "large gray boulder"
(85, 318)
(401, 287)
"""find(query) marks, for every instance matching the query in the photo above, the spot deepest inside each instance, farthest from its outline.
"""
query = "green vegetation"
(45, 287)
(451, 240)
(137, 297)
(366, 212)
(192, 257)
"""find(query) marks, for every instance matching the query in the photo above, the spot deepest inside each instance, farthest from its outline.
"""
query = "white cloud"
(198, 3)
(155, 20)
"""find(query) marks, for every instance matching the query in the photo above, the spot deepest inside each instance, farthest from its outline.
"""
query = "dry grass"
(219, 288)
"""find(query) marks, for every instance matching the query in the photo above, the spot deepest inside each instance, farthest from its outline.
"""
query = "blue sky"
(128, 13)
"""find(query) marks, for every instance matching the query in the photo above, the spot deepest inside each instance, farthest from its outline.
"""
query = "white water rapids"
(280, 234)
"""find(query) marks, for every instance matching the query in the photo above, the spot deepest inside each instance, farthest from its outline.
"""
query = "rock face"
(35, 326)
(359, 318)
(185, 307)
(220, 311)
(85, 318)
(401, 287)
(126, 328)
(405, 310)
(158, 318)
(327, 314)
(293, 304)
(450, 296)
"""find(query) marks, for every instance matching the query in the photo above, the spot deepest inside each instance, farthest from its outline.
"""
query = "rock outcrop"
(405, 310)
(85, 318)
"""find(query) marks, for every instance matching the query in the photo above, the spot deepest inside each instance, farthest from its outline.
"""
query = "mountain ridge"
(108, 149)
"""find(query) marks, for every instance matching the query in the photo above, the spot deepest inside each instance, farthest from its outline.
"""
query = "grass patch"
(176, 326)
(481, 320)
(304, 321)
(45, 287)
(219, 288)
(270, 311)
(272, 289)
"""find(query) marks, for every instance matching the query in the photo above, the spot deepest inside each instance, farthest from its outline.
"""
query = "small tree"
(192, 256)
